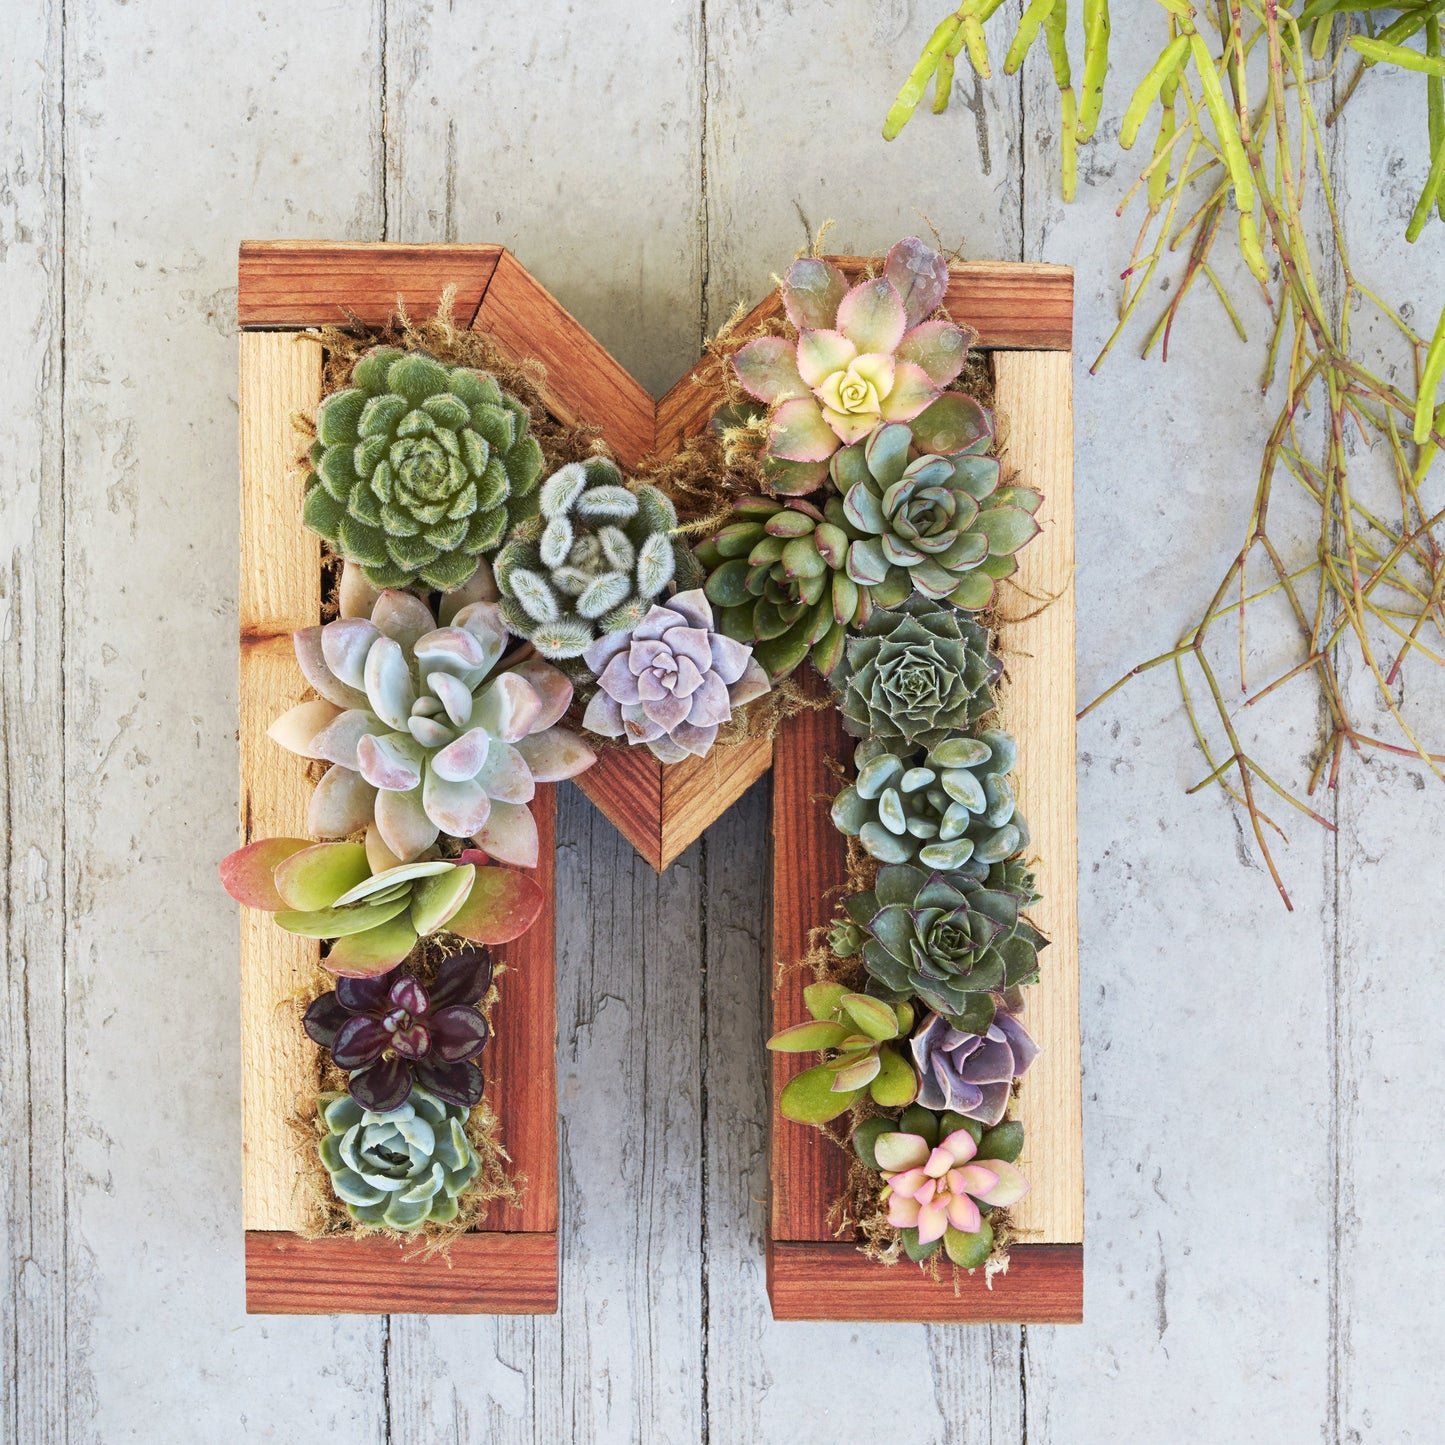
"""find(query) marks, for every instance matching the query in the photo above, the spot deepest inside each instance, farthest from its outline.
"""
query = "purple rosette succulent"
(391, 1032)
(672, 681)
(971, 1074)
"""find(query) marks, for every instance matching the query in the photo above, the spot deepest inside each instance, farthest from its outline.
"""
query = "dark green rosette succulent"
(918, 673)
(401, 1169)
(951, 808)
(948, 939)
(414, 466)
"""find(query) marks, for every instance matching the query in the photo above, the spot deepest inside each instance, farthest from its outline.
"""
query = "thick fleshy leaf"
(459, 1082)
(808, 1037)
(507, 707)
(896, 1084)
(248, 874)
(307, 643)
(953, 423)
(1011, 1186)
(481, 586)
(809, 1098)
(337, 741)
(510, 835)
(364, 995)
(872, 1016)
(359, 1041)
(458, 809)
(458, 1032)
(356, 596)
(462, 977)
(377, 853)
(939, 347)
(811, 292)
(768, 370)
(390, 689)
(436, 899)
(462, 758)
(344, 645)
(896, 1152)
(323, 1017)
(390, 761)
(298, 728)
(1007, 528)
(505, 777)
(920, 276)
(912, 392)
(483, 620)
(821, 353)
(502, 905)
(403, 824)
(799, 433)
(552, 686)
(604, 716)
(555, 754)
(376, 951)
(402, 616)
(342, 804)
(339, 922)
(383, 1086)
(321, 875)
(872, 316)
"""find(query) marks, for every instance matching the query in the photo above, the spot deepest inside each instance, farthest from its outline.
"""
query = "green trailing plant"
(866, 1041)
(402, 1169)
(916, 674)
(943, 1175)
(951, 808)
(936, 524)
(374, 919)
(946, 939)
(414, 467)
(585, 557)
(1248, 158)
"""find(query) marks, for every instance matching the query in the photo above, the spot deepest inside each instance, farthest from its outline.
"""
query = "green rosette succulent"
(951, 808)
(938, 524)
(918, 673)
(776, 575)
(399, 1170)
(586, 556)
(414, 467)
(947, 939)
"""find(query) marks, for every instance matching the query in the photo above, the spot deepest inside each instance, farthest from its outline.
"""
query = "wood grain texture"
(626, 785)
(280, 590)
(319, 283)
(1036, 637)
(584, 384)
(490, 1273)
(817, 1281)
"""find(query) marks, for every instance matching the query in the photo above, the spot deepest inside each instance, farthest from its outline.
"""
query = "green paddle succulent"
(867, 1039)
(414, 466)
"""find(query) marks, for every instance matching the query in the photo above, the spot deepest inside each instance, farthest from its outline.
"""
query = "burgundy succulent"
(393, 1031)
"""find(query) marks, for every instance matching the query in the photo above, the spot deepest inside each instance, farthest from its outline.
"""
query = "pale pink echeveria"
(672, 681)
(425, 734)
(931, 1189)
(864, 356)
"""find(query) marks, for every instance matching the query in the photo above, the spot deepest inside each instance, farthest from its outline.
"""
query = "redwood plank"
(626, 785)
(520, 1061)
(808, 1169)
(698, 791)
(498, 1274)
(319, 283)
(833, 1281)
(584, 382)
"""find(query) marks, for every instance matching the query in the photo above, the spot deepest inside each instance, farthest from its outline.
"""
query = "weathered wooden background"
(1263, 1091)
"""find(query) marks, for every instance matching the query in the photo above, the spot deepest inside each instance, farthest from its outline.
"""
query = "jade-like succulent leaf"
(809, 1097)
(318, 877)
(248, 874)
(806, 1038)
(896, 1084)
(969, 1251)
(436, 898)
(502, 905)
(374, 951)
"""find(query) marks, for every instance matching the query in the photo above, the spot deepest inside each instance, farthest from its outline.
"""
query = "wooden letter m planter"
(1023, 317)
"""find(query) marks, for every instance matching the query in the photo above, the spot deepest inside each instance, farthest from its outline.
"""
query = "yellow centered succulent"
(857, 391)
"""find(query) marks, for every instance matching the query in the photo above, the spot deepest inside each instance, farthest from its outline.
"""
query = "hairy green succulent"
(414, 467)
(951, 808)
(399, 1170)
(918, 673)
(776, 575)
(947, 939)
(586, 556)
(866, 1040)
(939, 524)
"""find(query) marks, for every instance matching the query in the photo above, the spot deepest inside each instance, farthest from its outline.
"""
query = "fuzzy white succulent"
(424, 734)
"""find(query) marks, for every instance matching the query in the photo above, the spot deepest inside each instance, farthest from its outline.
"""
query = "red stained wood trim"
(626, 785)
(584, 382)
(809, 859)
(319, 283)
(521, 1059)
(495, 1274)
(1044, 1285)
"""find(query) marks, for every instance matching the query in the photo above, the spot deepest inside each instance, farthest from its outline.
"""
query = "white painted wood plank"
(1204, 1003)
(32, 755)
(1388, 986)
(187, 129)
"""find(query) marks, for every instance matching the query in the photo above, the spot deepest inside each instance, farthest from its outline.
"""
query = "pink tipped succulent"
(933, 1190)
(672, 681)
(863, 357)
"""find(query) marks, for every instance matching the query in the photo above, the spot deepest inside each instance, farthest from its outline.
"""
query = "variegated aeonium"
(425, 733)
(863, 356)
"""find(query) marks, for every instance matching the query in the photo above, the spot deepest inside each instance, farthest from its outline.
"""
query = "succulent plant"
(585, 555)
(950, 808)
(917, 673)
(672, 681)
(946, 939)
(401, 1169)
(414, 467)
(942, 1176)
(939, 525)
(425, 734)
(862, 1034)
(328, 890)
(971, 1071)
(775, 574)
(394, 1031)
(863, 356)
